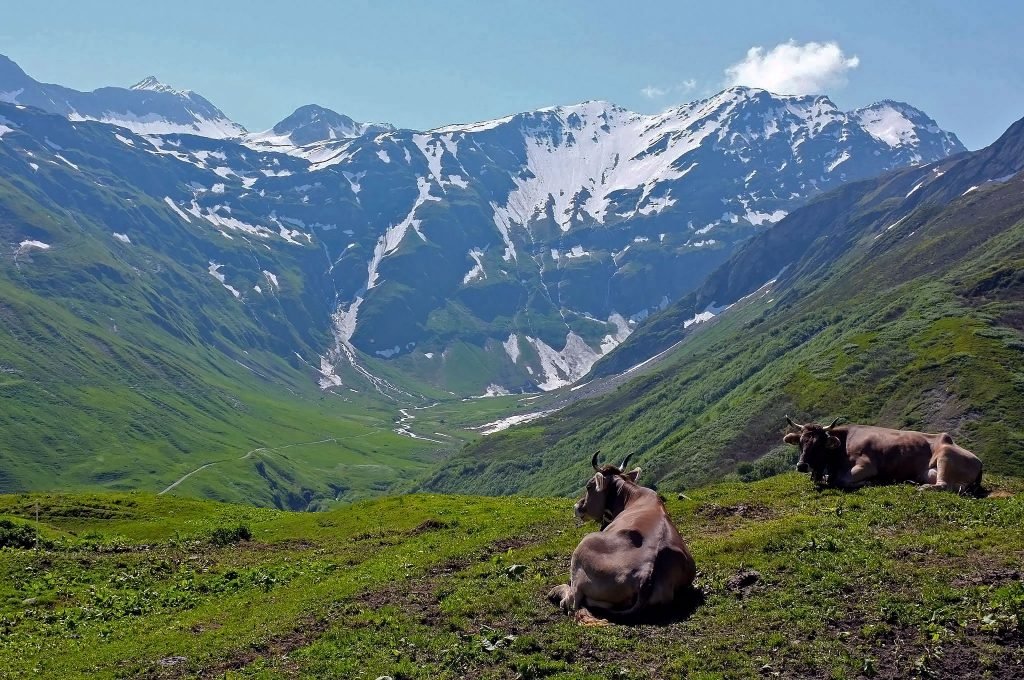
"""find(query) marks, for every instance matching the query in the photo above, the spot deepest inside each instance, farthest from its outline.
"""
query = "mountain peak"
(312, 123)
(147, 107)
(152, 84)
(899, 124)
(313, 114)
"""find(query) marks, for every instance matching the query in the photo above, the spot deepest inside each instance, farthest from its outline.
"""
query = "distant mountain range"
(499, 256)
(896, 301)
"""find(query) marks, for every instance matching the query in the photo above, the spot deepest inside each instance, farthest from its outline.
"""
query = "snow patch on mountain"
(495, 390)
(6, 126)
(477, 272)
(560, 368)
(759, 218)
(511, 346)
(328, 377)
(622, 331)
(28, 245)
(505, 423)
(700, 317)
(213, 216)
(889, 124)
(215, 272)
(388, 242)
(311, 129)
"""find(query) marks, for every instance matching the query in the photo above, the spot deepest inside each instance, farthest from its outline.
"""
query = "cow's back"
(661, 543)
(897, 455)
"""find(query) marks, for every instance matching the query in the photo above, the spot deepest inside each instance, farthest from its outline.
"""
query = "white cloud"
(652, 92)
(655, 92)
(791, 68)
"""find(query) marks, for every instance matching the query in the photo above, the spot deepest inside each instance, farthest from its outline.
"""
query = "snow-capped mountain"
(901, 125)
(148, 107)
(527, 246)
(312, 124)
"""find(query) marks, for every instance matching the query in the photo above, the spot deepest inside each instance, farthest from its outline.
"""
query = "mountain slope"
(148, 107)
(767, 254)
(526, 247)
(609, 215)
(136, 346)
(903, 307)
(224, 320)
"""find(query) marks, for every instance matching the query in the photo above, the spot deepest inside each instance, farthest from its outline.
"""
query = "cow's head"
(818, 447)
(600, 501)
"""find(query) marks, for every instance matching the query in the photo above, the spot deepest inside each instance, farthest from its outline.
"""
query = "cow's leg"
(563, 596)
(937, 475)
(858, 475)
(954, 471)
(580, 602)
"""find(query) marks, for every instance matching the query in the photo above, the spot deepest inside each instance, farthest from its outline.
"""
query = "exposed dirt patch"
(743, 582)
(746, 510)
(909, 653)
(288, 545)
(305, 632)
(418, 597)
(946, 411)
(510, 543)
(201, 628)
(990, 577)
(393, 536)
(429, 525)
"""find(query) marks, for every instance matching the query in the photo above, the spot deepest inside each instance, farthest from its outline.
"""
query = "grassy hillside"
(885, 582)
(123, 405)
(910, 320)
(865, 206)
(125, 363)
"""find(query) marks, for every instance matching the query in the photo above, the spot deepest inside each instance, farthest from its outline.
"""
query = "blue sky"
(424, 64)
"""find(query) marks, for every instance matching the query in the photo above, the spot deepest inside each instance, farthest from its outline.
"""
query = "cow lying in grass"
(637, 561)
(848, 456)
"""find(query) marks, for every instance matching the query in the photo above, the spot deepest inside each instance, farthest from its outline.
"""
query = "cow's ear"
(833, 442)
(792, 438)
(632, 475)
(599, 482)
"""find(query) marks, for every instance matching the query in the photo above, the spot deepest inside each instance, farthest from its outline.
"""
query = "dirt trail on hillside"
(267, 449)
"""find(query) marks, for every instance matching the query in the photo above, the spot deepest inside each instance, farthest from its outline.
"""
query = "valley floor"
(885, 582)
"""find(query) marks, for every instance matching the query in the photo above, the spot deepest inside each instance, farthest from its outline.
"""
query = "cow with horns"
(636, 562)
(848, 456)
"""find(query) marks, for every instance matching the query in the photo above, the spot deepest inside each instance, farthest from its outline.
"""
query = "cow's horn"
(834, 423)
(790, 421)
(593, 461)
(625, 462)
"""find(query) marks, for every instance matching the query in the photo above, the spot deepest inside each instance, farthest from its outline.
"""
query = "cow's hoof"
(585, 618)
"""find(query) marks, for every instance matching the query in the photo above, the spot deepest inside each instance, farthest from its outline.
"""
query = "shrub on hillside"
(230, 535)
(773, 463)
(16, 535)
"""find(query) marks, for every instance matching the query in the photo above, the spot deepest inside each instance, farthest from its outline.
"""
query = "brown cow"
(636, 562)
(850, 455)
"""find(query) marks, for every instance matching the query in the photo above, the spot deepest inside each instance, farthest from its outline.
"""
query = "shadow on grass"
(680, 609)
